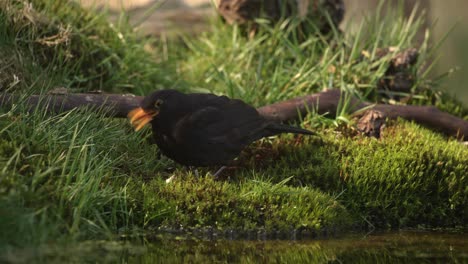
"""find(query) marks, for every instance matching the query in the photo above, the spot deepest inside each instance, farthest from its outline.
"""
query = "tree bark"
(325, 102)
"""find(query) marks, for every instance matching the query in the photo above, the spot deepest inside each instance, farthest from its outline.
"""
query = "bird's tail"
(280, 128)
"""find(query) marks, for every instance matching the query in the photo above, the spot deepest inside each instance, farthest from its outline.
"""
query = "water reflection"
(385, 248)
(407, 247)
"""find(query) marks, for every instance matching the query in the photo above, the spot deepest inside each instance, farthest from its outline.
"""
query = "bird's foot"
(218, 172)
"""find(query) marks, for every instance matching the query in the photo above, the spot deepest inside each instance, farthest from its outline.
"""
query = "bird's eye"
(158, 103)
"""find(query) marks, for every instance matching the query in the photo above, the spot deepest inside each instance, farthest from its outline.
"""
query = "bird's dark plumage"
(203, 129)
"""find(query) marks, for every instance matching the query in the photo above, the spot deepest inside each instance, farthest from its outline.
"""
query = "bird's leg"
(158, 154)
(218, 172)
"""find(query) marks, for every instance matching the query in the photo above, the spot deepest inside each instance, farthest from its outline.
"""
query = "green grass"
(79, 175)
(65, 46)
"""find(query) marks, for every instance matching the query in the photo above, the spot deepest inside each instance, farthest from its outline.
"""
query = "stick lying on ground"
(324, 102)
(327, 102)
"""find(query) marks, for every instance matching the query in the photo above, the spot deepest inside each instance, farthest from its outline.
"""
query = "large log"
(322, 12)
(325, 102)
(114, 105)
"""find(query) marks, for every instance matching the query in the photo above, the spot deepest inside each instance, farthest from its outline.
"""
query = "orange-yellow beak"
(139, 117)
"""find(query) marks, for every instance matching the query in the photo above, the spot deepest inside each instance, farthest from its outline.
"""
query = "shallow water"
(402, 247)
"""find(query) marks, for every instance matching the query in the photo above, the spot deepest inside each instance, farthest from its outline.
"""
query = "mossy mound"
(251, 205)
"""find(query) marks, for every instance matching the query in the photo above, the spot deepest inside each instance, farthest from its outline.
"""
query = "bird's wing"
(224, 128)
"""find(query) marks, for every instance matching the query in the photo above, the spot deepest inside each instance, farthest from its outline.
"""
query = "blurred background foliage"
(447, 20)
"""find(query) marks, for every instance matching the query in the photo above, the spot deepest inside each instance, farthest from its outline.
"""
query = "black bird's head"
(153, 105)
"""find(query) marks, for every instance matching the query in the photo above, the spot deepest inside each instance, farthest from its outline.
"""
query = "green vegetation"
(79, 175)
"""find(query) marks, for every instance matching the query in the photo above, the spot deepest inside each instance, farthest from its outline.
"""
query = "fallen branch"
(114, 105)
(325, 102)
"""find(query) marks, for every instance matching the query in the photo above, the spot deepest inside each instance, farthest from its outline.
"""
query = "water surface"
(401, 247)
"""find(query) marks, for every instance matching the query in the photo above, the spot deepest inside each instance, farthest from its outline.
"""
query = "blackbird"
(203, 129)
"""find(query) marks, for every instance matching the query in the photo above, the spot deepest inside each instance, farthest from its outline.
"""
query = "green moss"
(410, 177)
(249, 205)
